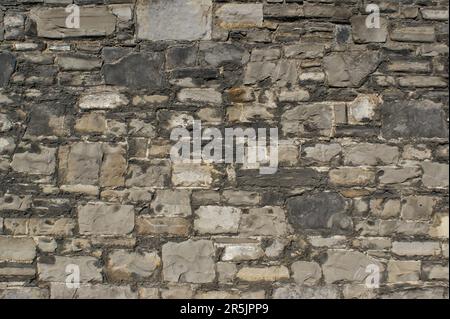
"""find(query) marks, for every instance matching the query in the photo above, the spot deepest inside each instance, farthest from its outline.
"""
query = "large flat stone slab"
(94, 22)
(174, 19)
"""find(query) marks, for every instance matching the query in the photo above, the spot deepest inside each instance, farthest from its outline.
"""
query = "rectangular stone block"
(176, 226)
(87, 291)
(21, 250)
(239, 15)
(94, 22)
(105, 219)
(414, 34)
(59, 268)
(156, 19)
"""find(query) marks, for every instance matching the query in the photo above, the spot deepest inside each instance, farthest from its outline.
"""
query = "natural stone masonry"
(86, 177)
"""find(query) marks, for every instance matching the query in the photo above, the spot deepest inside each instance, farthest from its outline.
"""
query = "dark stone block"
(49, 119)
(179, 57)
(136, 71)
(319, 211)
(7, 67)
(282, 178)
(413, 119)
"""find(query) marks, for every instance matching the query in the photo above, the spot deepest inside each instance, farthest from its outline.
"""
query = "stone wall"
(86, 177)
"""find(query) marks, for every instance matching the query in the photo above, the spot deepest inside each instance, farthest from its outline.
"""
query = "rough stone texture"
(124, 265)
(155, 20)
(189, 261)
(216, 220)
(306, 273)
(403, 119)
(350, 69)
(7, 66)
(56, 271)
(102, 219)
(17, 249)
(347, 265)
(138, 71)
(319, 211)
(87, 177)
(94, 21)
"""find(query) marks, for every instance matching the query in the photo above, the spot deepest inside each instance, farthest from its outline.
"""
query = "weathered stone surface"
(192, 175)
(217, 220)
(189, 261)
(307, 120)
(363, 108)
(242, 252)
(208, 96)
(147, 225)
(322, 152)
(298, 95)
(126, 265)
(114, 165)
(303, 292)
(153, 174)
(80, 164)
(51, 22)
(306, 273)
(22, 250)
(385, 209)
(170, 203)
(104, 219)
(406, 175)
(266, 221)
(418, 207)
(137, 71)
(419, 81)
(434, 14)
(428, 248)
(318, 211)
(78, 63)
(436, 272)
(362, 34)
(414, 34)
(51, 226)
(405, 119)
(49, 119)
(155, 20)
(102, 100)
(237, 198)
(403, 271)
(24, 293)
(370, 154)
(352, 176)
(6, 124)
(216, 54)
(347, 265)
(87, 291)
(7, 67)
(435, 175)
(350, 69)
(440, 228)
(326, 11)
(14, 202)
(239, 16)
(42, 162)
(271, 274)
(56, 272)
